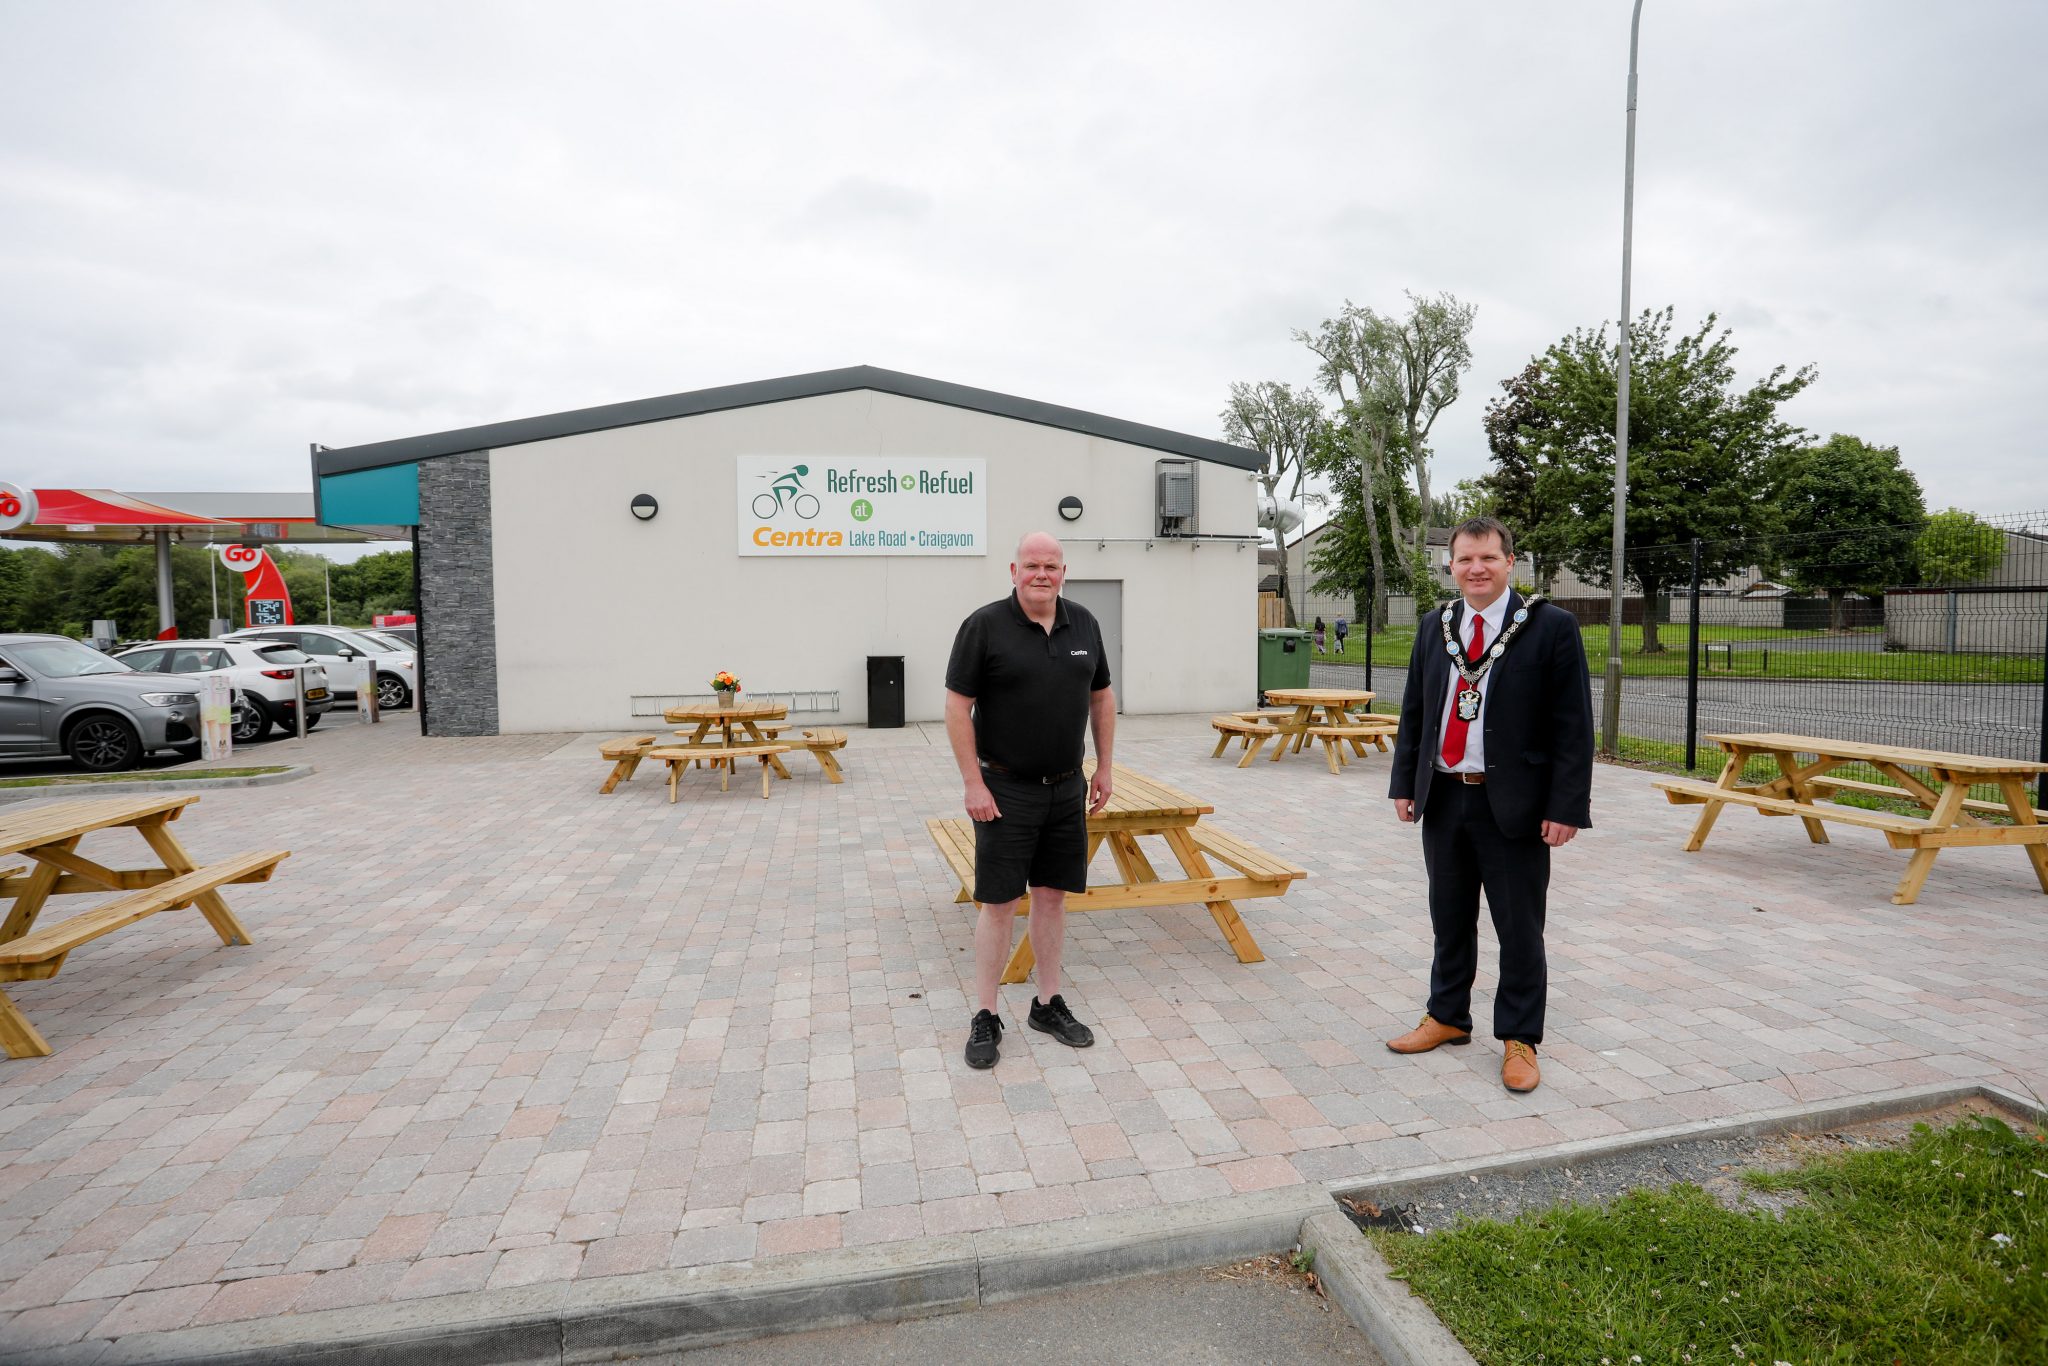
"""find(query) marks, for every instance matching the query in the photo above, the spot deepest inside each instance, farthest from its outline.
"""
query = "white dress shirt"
(1495, 616)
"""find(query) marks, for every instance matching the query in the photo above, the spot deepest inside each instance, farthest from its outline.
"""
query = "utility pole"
(1610, 701)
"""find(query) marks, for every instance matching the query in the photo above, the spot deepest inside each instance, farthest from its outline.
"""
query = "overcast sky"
(228, 230)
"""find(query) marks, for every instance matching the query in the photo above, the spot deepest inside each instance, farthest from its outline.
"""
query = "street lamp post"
(1610, 702)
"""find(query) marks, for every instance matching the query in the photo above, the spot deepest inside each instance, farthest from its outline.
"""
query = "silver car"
(60, 697)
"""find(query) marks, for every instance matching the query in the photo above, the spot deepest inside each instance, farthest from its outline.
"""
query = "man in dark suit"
(1495, 757)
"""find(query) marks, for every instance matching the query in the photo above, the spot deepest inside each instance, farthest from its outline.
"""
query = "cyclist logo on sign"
(788, 489)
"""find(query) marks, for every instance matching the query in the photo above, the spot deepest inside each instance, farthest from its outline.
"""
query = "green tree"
(1514, 423)
(1269, 417)
(1395, 375)
(1432, 349)
(384, 578)
(1350, 556)
(1851, 507)
(1361, 456)
(14, 572)
(306, 578)
(1955, 547)
(1467, 498)
(1356, 353)
(1701, 451)
(45, 593)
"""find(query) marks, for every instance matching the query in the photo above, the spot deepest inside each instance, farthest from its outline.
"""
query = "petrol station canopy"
(107, 517)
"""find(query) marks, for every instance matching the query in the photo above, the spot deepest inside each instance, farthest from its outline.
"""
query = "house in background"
(1309, 604)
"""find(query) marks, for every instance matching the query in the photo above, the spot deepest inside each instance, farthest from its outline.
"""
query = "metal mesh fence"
(1932, 636)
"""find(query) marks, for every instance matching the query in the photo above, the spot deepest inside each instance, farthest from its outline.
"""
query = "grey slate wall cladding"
(458, 592)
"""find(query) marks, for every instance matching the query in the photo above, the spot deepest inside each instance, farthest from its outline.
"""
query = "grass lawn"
(165, 776)
(1935, 1251)
(1753, 652)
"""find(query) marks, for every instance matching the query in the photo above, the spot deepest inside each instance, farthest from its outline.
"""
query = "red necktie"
(1455, 728)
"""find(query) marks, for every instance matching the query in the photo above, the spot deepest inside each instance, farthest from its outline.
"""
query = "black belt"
(1049, 779)
(1469, 779)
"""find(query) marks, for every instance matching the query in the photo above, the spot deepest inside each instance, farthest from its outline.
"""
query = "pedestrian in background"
(1343, 627)
(1318, 631)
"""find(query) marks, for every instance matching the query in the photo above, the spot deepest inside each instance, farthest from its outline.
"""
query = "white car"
(260, 672)
(338, 648)
(388, 638)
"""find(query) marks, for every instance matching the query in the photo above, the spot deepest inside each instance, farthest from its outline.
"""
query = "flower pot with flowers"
(727, 687)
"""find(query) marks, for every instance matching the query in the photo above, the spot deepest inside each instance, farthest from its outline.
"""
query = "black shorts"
(1041, 838)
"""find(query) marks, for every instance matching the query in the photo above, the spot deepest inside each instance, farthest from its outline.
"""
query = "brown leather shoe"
(1427, 1035)
(1518, 1067)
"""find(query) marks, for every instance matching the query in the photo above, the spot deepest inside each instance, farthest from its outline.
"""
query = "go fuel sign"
(17, 507)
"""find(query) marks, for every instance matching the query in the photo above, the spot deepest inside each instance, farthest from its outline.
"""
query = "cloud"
(857, 203)
(226, 231)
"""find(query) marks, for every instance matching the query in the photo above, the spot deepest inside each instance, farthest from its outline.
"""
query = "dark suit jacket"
(1539, 721)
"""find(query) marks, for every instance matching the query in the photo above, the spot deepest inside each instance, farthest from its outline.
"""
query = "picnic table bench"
(715, 747)
(722, 757)
(625, 755)
(821, 743)
(1357, 733)
(1253, 728)
(1251, 733)
(1338, 711)
(1141, 807)
(49, 835)
(1951, 816)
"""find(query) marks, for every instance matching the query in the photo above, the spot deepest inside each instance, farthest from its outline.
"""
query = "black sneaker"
(1052, 1017)
(984, 1039)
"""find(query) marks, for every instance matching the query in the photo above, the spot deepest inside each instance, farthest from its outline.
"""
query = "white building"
(788, 530)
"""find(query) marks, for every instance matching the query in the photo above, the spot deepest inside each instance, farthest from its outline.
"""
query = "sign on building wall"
(823, 505)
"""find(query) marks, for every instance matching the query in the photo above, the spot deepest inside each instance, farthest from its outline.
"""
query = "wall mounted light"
(644, 506)
(1070, 508)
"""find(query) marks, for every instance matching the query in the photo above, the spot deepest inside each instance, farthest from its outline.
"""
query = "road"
(1247, 1312)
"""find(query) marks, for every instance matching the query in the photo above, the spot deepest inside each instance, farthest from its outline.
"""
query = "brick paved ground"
(497, 1030)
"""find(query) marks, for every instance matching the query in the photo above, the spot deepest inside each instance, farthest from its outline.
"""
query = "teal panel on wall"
(382, 497)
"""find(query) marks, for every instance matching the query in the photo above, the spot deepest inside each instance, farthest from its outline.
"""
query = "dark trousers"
(1466, 853)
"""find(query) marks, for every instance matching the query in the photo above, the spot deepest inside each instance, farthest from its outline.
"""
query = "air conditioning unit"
(1177, 485)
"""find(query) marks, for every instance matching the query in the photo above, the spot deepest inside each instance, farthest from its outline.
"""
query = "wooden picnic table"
(1939, 783)
(745, 718)
(1141, 807)
(1332, 715)
(48, 833)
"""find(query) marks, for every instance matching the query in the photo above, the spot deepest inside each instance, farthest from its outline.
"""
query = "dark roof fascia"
(378, 454)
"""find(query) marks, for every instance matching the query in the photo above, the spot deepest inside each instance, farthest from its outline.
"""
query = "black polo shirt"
(1031, 687)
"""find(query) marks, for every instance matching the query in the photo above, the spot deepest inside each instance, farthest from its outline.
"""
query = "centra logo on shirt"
(1077, 652)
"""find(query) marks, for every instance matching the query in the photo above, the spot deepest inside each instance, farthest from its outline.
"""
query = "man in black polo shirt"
(1028, 677)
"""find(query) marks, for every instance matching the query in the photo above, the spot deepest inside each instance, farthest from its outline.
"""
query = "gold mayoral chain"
(1468, 696)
